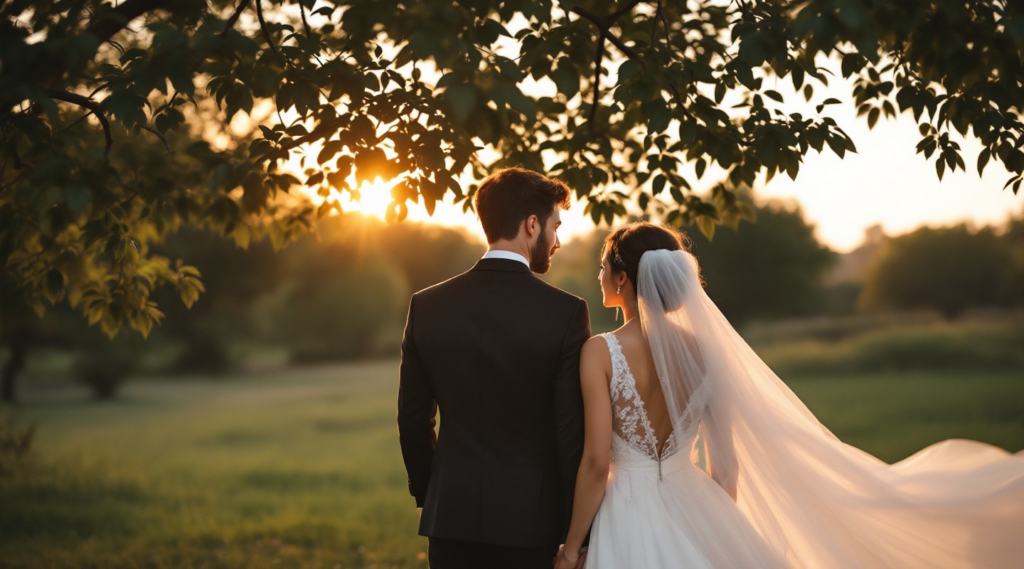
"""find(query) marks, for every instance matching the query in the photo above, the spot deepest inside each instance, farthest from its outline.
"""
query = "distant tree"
(427, 255)
(114, 114)
(233, 278)
(344, 294)
(340, 301)
(769, 269)
(1014, 237)
(105, 364)
(945, 269)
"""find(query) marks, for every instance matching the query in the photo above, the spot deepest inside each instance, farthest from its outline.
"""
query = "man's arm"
(569, 407)
(417, 411)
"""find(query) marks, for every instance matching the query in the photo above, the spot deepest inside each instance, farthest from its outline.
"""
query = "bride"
(698, 455)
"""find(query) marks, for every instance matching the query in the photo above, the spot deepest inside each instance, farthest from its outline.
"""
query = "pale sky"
(888, 184)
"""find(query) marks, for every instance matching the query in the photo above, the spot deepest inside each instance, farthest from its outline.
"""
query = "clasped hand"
(567, 560)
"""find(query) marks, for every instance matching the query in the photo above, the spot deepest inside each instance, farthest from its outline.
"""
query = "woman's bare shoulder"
(595, 347)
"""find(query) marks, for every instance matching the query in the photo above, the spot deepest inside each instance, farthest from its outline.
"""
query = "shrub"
(105, 367)
(15, 443)
(973, 346)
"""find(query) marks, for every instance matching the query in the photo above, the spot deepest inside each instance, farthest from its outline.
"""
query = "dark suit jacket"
(497, 350)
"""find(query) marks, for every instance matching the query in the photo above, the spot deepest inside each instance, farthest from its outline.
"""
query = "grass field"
(301, 468)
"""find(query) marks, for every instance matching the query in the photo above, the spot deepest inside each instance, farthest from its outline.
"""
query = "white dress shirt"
(498, 254)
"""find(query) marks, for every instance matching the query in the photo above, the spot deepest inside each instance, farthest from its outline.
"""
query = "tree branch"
(583, 13)
(86, 103)
(625, 49)
(160, 136)
(622, 11)
(234, 17)
(113, 21)
(318, 132)
(597, 80)
(679, 101)
(604, 25)
(263, 26)
(664, 20)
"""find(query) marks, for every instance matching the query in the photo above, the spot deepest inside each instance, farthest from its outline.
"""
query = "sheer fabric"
(812, 500)
(661, 511)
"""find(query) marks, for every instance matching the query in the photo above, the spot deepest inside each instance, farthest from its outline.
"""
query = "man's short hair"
(508, 197)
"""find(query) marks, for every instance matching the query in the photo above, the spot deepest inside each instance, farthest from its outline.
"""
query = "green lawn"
(302, 468)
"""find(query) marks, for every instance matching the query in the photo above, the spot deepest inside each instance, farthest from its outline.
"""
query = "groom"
(497, 351)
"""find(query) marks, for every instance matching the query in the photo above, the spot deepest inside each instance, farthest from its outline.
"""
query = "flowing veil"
(816, 501)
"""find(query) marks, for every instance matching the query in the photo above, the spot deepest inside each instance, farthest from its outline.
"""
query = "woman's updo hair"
(627, 245)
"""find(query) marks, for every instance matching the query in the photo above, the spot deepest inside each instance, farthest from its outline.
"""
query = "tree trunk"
(19, 351)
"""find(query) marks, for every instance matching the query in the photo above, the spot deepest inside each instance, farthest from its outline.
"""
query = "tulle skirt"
(971, 498)
(682, 520)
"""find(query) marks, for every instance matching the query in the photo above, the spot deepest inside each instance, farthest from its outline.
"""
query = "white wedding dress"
(804, 498)
(663, 512)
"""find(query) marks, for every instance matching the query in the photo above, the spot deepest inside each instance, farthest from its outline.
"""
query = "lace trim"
(629, 415)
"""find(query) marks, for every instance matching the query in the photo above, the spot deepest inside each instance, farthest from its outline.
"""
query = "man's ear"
(532, 226)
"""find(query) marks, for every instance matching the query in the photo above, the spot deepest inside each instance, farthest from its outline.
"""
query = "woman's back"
(640, 364)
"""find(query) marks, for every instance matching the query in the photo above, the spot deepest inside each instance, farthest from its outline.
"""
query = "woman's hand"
(567, 560)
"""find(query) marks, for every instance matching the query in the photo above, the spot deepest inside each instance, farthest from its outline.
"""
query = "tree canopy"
(119, 118)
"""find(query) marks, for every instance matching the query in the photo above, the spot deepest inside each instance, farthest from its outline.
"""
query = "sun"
(374, 198)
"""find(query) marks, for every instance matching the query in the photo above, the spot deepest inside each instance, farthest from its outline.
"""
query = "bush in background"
(983, 344)
(15, 443)
(947, 269)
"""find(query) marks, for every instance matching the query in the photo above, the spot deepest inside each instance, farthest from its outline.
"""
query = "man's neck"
(511, 247)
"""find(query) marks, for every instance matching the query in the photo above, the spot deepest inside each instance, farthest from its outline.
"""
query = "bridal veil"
(816, 501)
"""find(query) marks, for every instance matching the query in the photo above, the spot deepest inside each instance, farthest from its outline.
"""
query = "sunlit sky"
(885, 183)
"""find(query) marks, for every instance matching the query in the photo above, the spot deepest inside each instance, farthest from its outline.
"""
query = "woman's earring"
(618, 289)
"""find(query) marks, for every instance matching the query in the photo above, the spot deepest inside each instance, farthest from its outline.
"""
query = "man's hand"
(567, 560)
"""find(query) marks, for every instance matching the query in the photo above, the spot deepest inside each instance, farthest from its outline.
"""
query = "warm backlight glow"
(374, 198)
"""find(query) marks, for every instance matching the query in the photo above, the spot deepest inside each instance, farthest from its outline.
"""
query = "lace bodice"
(629, 417)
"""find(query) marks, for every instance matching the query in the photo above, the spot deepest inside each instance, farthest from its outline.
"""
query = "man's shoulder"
(444, 287)
(557, 293)
(462, 283)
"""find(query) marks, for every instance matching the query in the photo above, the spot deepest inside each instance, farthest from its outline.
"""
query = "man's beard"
(540, 256)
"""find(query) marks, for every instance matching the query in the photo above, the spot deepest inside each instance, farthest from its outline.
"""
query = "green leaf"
(315, 179)
(627, 70)
(330, 150)
(462, 100)
(983, 159)
(835, 142)
(707, 226)
(873, 117)
(687, 131)
(659, 117)
(566, 78)
(255, 192)
(239, 98)
(658, 184)
(54, 285)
